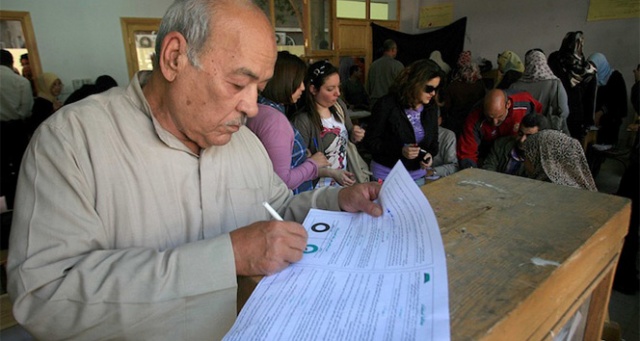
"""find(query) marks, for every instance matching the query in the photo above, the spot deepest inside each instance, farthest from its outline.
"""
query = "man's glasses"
(430, 88)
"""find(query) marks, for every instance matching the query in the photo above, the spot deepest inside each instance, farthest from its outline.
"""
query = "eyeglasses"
(429, 89)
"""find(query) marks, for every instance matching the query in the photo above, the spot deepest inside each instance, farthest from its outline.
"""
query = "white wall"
(497, 25)
(80, 39)
(83, 39)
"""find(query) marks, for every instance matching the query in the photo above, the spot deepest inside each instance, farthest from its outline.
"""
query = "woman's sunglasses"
(429, 89)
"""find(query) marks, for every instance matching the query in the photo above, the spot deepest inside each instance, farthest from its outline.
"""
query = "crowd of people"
(139, 206)
(25, 102)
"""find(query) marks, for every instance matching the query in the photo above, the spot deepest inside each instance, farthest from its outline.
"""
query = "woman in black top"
(404, 123)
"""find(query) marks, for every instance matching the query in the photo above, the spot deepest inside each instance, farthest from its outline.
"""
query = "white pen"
(271, 211)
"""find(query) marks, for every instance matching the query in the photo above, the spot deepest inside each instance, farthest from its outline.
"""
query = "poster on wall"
(613, 9)
(435, 16)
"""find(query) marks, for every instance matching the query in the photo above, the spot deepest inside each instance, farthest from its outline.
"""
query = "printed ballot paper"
(361, 278)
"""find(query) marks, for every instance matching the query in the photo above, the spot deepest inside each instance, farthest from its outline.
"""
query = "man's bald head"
(496, 106)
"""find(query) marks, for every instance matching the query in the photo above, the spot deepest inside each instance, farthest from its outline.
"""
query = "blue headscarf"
(604, 70)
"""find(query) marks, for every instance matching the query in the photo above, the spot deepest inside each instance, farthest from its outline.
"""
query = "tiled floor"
(623, 309)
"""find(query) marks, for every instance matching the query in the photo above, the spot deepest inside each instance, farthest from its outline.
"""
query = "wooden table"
(493, 225)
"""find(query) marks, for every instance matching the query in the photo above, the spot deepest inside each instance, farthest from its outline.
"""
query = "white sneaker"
(602, 147)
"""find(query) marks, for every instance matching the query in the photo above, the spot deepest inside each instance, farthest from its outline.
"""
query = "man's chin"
(220, 140)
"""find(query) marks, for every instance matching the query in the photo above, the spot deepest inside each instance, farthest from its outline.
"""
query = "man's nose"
(249, 103)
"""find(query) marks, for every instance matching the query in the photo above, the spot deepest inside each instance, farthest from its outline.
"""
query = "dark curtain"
(449, 40)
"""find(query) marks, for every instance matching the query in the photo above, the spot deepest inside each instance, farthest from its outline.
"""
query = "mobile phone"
(422, 153)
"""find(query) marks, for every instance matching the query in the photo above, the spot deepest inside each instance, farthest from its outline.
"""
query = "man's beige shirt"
(120, 232)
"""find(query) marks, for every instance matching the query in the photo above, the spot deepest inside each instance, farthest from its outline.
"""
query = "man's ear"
(509, 103)
(173, 55)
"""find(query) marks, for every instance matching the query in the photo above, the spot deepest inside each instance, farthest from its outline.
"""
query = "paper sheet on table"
(361, 278)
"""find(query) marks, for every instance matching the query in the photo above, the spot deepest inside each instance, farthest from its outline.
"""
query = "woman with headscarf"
(578, 77)
(510, 69)
(543, 85)
(552, 156)
(466, 88)
(611, 101)
(46, 103)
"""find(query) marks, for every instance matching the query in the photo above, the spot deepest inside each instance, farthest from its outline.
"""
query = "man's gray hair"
(191, 18)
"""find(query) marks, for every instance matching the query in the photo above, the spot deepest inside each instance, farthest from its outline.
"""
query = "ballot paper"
(360, 278)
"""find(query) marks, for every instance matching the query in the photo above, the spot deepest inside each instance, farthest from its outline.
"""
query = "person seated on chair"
(446, 161)
(506, 155)
(499, 114)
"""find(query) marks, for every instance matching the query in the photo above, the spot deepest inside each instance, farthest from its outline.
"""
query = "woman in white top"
(325, 125)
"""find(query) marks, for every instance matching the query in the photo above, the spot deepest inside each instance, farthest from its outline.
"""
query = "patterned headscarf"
(572, 59)
(536, 68)
(603, 67)
(508, 60)
(558, 158)
(468, 71)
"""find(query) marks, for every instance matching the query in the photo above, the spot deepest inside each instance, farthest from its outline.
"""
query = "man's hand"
(266, 247)
(359, 198)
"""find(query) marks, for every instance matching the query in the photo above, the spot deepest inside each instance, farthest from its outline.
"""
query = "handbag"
(355, 162)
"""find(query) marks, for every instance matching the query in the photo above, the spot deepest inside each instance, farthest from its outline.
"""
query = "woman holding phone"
(404, 123)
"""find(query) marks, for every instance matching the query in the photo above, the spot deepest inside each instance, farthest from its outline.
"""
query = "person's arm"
(65, 256)
(307, 130)
(635, 96)
(447, 153)
(618, 103)
(26, 99)
(378, 129)
(430, 125)
(589, 101)
(562, 101)
(469, 141)
(492, 160)
(276, 134)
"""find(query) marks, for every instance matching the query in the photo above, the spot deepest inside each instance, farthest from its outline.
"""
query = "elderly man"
(506, 155)
(499, 114)
(138, 208)
(383, 71)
